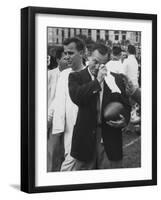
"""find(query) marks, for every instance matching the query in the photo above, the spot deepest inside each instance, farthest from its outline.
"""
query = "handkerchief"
(110, 81)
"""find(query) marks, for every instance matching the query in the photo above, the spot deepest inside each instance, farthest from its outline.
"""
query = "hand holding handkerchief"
(110, 81)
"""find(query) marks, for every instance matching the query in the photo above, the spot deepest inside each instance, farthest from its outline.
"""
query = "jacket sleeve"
(124, 97)
(81, 94)
(137, 96)
(59, 106)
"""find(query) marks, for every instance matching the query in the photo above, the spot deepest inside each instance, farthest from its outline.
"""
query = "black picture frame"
(28, 92)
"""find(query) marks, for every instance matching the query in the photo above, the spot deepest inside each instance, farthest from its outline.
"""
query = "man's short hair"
(131, 49)
(80, 45)
(59, 52)
(102, 49)
(116, 50)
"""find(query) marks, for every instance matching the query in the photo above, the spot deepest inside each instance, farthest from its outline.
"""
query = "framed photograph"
(88, 99)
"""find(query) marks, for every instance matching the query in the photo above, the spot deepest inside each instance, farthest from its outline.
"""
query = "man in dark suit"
(96, 143)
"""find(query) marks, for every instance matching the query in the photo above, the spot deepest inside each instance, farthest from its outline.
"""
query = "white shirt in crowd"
(115, 66)
(131, 69)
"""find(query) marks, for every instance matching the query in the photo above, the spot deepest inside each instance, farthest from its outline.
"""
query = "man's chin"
(69, 65)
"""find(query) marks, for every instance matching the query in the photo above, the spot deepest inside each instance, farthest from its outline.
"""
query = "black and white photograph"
(94, 99)
(88, 83)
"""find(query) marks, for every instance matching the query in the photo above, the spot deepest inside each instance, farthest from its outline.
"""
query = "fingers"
(102, 66)
(118, 123)
(109, 123)
(113, 124)
(103, 70)
(121, 117)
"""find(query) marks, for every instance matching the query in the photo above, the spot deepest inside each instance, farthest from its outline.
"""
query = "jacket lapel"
(85, 75)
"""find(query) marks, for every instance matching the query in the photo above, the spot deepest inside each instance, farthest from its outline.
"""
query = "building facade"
(58, 35)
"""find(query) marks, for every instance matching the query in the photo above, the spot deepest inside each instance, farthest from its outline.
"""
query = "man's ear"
(82, 53)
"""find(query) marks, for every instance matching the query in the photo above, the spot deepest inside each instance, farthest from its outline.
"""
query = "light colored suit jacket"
(65, 111)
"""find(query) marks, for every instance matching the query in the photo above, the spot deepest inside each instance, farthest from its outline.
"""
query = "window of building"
(123, 37)
(116, 37)
(98, 34)
(57, 31)
(89, 33)
(107, 35)
(62, 35)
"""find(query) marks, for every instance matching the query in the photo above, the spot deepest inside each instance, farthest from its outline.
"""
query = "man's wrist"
(99, 80)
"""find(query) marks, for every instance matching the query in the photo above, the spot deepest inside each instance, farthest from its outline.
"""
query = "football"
(113, 110)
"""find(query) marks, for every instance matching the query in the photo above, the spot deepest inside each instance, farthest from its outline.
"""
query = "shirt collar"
(92, 77)
(131, 55)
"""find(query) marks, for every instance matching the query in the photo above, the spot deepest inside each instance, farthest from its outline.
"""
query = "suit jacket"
(136, 96)
(84, 92)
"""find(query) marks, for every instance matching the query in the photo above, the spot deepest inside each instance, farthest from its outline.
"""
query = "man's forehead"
(71, 46)
(99, 57)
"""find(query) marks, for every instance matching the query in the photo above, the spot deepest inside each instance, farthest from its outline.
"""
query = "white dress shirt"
(131, 69)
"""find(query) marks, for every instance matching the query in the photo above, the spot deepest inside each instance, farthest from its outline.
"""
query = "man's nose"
(67, 56)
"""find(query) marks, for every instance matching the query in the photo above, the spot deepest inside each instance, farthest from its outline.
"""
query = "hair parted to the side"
(102, 49)
(80, 45)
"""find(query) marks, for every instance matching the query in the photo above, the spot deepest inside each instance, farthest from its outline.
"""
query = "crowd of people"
(89, 103)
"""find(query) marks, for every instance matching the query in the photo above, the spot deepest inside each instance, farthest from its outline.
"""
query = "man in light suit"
(53, 164)
(65, 112)
(96, 143)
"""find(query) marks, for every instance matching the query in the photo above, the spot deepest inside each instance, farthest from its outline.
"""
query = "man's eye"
(70, 53)
(95, 61)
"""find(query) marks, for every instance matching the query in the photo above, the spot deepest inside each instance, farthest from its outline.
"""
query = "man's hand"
(101, 73)
(130, 87)
(121, 123)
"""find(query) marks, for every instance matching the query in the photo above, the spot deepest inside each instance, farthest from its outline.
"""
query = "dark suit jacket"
(136, 96)
(84, 93)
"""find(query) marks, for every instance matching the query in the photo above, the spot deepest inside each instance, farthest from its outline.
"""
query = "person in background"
(65, 112)
(51, 59)
(131, 65)
(131, 90)
(135, 94)
(53, 76)
(132, 71)
(123, 55)
(115, 65)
